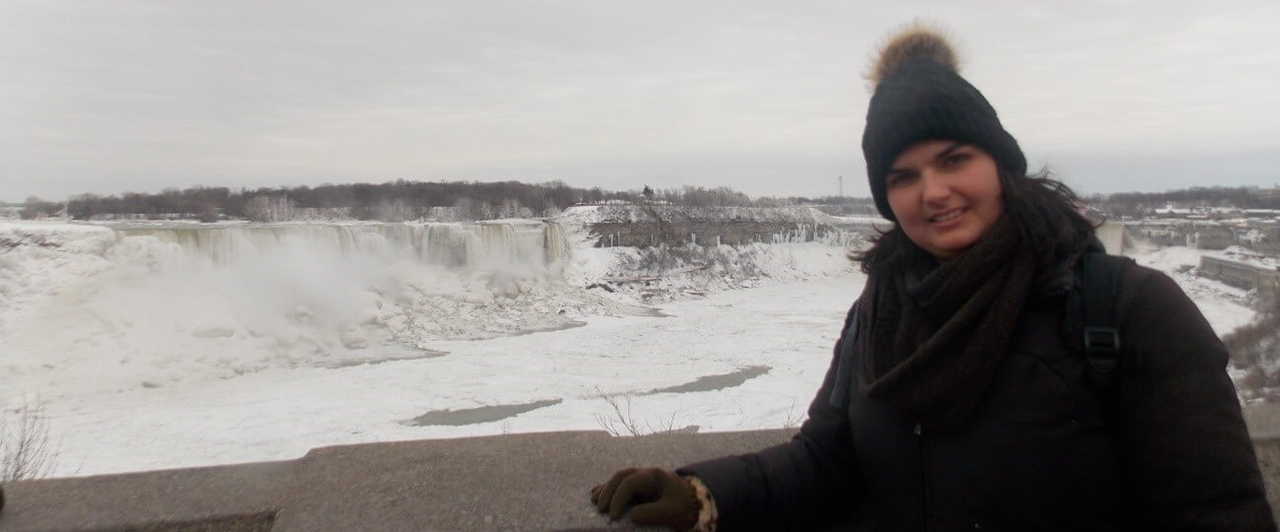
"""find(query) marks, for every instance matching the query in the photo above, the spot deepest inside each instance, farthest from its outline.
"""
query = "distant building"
(1169, 211)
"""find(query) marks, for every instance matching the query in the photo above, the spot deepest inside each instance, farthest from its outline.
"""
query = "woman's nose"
(935, 187)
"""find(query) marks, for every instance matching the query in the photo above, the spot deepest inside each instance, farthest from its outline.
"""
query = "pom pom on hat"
(916, 42)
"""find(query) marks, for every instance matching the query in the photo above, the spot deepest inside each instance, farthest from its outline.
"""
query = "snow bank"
(39, 259)
(660, 274)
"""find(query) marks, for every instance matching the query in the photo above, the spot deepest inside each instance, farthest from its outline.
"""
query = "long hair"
(1044, 210)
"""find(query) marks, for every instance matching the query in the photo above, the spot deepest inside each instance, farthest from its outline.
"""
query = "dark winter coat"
(1165, 449)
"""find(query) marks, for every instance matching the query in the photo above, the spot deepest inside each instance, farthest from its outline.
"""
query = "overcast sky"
(765, 97)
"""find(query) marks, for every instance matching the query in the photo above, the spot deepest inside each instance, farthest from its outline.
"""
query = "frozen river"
(281, 413)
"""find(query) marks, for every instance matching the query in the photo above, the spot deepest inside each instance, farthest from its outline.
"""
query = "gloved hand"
(655, 496)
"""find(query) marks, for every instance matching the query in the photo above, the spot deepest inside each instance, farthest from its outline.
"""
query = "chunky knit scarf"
(931, 341)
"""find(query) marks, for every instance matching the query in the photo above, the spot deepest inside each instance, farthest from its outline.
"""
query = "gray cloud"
(766, 97)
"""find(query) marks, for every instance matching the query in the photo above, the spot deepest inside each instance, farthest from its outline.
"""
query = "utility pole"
(840, 187)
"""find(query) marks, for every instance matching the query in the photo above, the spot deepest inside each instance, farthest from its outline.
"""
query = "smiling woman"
(971, 388)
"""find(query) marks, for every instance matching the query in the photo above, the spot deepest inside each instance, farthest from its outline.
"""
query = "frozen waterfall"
(191, 301)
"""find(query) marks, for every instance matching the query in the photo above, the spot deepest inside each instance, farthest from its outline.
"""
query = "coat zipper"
(924, 500)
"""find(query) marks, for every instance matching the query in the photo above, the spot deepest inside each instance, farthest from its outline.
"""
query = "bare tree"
(623, 423)
(794, 419)
(37, 208)
(486, 211)
(25, 452)
(465, 209)
(269, 209)
(511, 208)
(1255, 348)
(396, 210)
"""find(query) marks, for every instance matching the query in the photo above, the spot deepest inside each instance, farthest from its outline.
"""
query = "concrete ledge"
(514, 482)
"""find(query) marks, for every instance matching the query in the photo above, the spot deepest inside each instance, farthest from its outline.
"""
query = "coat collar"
(1067, 274)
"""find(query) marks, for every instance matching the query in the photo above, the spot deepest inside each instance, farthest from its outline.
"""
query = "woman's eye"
(955, 159)
(895, 180)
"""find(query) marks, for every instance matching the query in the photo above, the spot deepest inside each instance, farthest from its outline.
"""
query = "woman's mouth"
(946, 216)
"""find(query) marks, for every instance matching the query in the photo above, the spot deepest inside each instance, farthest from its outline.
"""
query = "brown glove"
(655, 497)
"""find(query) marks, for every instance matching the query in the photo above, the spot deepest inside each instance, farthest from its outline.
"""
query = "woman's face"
(945, 194)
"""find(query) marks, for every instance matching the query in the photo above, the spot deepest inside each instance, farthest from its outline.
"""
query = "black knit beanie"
(919, 95)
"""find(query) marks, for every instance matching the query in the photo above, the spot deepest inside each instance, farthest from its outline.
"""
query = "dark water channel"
(710, 383)
(483, 414)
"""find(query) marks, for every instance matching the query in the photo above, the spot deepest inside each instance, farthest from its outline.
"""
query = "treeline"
(837, 205)
(391, 202)
(394, 201)
(458, 200)
(1137, 204)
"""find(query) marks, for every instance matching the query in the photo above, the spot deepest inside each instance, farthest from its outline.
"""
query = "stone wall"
(1241, 275)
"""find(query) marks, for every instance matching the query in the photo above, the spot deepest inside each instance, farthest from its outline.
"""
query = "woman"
(956, 400)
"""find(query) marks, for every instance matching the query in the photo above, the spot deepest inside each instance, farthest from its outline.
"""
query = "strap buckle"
(1102, 345)
(1102, 339)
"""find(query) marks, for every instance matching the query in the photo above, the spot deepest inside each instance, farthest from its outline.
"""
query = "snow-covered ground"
(1226, 307)
(149, 351)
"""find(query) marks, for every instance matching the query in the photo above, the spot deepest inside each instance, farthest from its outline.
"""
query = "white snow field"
(162, 346)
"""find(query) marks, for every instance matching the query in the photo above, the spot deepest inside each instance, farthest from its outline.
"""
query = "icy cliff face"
(477, 246)
(195, 301)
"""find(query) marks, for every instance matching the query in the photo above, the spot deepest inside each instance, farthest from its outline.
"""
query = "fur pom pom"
(915, 42)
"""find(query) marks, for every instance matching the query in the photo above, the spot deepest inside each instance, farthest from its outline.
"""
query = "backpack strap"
(1100, 289)
(839, 397)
